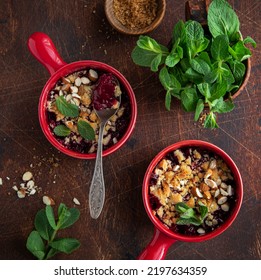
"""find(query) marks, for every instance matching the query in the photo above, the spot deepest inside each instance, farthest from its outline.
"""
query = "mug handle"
(158, 247)
(43, 49)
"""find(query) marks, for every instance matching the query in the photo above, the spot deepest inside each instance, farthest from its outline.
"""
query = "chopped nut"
(196, 192)
(85, 80)
(78, 82)
(76, 201)
(225, 207)
(48, 200)
(1, 181)
(223, 192)
(93, 75)
(27, 176)
(21, 193)
(211, 183)
(222, 200)
(200, 231)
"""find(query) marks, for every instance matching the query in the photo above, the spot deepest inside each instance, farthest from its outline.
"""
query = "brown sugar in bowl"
(116, 24)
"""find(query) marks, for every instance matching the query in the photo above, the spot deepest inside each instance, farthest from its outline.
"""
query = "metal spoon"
(97, 189)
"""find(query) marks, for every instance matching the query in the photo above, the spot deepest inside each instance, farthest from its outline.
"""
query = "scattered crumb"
(76, 201)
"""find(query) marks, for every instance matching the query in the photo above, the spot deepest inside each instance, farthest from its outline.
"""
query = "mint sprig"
(200, 68)
(43, 242)
(189, 216)
(67, 109)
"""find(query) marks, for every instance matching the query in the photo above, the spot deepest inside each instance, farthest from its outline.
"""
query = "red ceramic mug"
(163, 237)
(42, 47)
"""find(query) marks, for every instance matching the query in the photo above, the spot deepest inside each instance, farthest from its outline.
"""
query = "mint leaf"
(172, 60)
(42, 225)
(204, 89)
(210, 121)
(86, 130)
(143, 57)
(219, 47)
(168, 100)
(155, 63)
(50, 216)
(239, 51)
(203, 210)
(71, 218)
(222, 106)
(200, 66)
(218, 90)
(35, 245)
(67, 109)
(189, 99)
(149, 44)
(169, 81)
(181, 207)
(194, 76)
(179, 32)
(61, 130)
(222, 19)
(190, 221)
(199, 109)
(66, 245)
(238, 69)
(249, 40)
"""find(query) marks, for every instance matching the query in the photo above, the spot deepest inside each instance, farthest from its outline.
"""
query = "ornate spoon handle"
(97, 188)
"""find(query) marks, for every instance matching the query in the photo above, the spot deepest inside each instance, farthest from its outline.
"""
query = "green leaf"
(222, 19)
(225, 74)
(238, 69)
(194, 76)
(189, 99)
(71, 217)
(189, 213)
(179, 32)
(61, 130)
(168, 100)
(199, 109)
(67, 109)
(35, 245)
(50, 216)
(210, 121)
(205, 56)
(66, 245)
(172, 60)
(219, 47)
(149, 44)
(218, 90)
(52, 252)
(204, 89)
(155, 63)
(203, 210)
(222, 106)
(190, 221)
(42, 225)
(239, 51)
(249, 40)
(212, 76)
(142, 57)
(200, 66)
(86, 130)
(168, 81)
(181, 207)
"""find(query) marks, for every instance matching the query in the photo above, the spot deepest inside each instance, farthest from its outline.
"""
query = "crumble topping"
(193, 177)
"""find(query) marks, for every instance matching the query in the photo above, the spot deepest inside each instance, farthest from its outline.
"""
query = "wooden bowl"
(108, 5)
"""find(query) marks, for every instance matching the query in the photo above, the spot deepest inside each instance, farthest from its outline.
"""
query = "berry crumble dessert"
(71, 115)
(192, 191)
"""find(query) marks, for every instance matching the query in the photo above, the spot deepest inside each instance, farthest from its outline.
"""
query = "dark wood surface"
(80, 31)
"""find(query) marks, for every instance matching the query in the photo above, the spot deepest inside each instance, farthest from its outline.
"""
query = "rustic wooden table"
(80, 31)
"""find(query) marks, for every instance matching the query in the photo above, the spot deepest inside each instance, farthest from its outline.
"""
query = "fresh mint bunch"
(43, 242)
(201, 67)
(189, 216)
